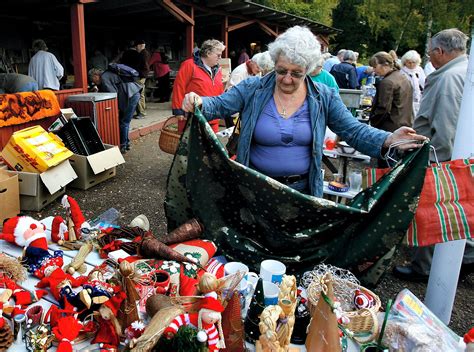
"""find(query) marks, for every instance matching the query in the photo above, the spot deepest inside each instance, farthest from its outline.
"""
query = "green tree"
(412, 22)
(316, 10)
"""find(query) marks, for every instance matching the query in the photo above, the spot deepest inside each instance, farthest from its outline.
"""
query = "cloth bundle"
(251, 217)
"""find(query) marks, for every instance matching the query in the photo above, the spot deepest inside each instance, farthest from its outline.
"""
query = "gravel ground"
(140, 186)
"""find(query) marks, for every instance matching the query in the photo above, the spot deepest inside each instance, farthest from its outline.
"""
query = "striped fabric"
(446, 207)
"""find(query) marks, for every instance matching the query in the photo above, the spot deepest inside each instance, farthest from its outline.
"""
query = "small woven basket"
(169, 137)
(362, 321)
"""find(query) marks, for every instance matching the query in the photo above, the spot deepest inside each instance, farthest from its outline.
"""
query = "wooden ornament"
(78, 263)
(128, 311)
(323, 332)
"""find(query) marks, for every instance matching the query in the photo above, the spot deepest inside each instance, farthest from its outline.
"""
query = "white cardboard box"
(39, 190)
(95, 168)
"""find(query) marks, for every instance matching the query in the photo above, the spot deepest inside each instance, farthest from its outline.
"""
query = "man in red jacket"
(200, 74)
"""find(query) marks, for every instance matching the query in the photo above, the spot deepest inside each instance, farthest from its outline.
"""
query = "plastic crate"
(81, 136)
(351, 97)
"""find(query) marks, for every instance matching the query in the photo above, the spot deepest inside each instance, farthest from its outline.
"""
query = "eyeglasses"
(294, 74)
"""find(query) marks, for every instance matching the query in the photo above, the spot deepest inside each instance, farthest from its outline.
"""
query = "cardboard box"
(9, 195)
(34, 150)
(96, 168)
(39, 190)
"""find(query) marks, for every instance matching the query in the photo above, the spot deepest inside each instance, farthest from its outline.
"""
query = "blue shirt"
(282, 147)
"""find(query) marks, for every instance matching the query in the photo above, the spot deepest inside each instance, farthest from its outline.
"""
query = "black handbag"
(233, 141)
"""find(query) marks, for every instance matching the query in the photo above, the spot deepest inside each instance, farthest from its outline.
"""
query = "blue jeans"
(125, 117)
(301, 186)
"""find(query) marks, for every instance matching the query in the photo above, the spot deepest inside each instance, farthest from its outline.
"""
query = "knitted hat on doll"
(210, 304)
(76, 214)
(14, 230)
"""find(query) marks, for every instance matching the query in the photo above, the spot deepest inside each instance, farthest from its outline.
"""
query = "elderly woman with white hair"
(258, 65)
(284, 117)
(411, 68)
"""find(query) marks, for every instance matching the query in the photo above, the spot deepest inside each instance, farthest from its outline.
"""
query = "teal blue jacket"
(326, 108)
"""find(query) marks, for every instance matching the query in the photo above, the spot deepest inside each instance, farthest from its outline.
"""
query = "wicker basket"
(361, 320)
(169, 137)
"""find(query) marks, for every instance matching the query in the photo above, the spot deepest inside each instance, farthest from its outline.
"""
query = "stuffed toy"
(210, 309)
(60, 285)
(75, 214)
(109, 331)
(30, 234)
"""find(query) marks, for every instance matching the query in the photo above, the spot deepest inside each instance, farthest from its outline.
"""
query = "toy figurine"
(209, 314)
(29, 233)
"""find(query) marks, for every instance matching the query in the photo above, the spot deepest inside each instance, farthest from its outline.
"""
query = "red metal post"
(79, 46)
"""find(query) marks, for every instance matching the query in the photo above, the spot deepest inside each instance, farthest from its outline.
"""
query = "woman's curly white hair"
(299, 45)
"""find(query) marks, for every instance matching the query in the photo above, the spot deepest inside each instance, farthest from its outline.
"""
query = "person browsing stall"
(392, 107)
(200, 74)
(259, 65)
(284, 117)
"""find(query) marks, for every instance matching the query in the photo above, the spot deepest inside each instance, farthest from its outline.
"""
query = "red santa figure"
(74, 211)
(30, 234)
(205, 321)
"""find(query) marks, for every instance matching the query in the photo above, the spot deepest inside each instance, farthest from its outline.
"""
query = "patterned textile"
(19, 108)
(446, 209)
(252, 217)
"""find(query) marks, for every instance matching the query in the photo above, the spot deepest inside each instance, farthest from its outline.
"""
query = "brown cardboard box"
(39, 190)
(96, 168)
(9, 195)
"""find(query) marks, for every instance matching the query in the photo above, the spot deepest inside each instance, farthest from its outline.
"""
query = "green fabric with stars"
(252, 217)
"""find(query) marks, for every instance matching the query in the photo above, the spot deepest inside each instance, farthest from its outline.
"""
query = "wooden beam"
(214, 3)
(236, 7)
(241, 25)
(78, 38)
(178, 13)
(267, 29)
(225, 36)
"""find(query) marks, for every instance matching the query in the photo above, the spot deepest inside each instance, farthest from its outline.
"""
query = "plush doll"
(29, 233)
(109, 331)
(209, 314)
(60, 285)
(75, 214)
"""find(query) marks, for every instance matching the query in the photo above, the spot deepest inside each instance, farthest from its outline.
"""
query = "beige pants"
(141, 106)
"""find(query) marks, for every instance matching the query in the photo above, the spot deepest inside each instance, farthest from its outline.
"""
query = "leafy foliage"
(316, 10)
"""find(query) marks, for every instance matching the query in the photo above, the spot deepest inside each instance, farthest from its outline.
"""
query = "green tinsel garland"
(185, 340)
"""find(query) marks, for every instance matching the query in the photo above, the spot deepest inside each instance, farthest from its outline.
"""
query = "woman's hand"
(405, 134)
(190, 101)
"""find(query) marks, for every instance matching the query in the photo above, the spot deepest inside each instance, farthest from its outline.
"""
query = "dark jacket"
(345, 75)
(392, 107)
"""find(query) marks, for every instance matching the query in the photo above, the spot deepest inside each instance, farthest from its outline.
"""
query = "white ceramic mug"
(270, 293)
(234, 267)
(272, 270)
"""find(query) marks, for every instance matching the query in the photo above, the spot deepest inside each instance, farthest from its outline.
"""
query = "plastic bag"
(413, 327)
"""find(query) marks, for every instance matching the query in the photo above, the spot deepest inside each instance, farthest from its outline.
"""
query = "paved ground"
(140, 187)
